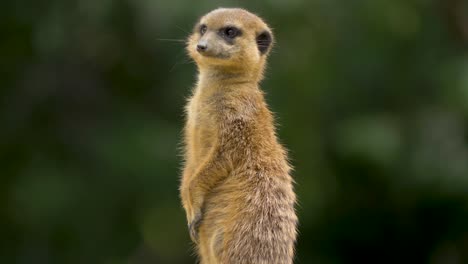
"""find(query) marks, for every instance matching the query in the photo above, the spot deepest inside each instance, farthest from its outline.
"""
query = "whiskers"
(176, 40)
(172, 40)
(188, 60)
(178, 59)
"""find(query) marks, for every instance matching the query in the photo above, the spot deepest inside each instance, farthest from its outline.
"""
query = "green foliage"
(371, 98)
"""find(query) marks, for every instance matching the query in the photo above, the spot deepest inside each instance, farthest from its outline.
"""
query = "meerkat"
(236, 186)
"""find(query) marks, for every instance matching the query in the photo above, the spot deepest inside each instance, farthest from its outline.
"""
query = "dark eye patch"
(203, 29)
(229, 33)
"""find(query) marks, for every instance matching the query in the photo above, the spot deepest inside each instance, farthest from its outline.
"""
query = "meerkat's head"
(231, 40)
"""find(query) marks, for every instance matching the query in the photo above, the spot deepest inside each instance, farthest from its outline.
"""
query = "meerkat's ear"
(264, 40)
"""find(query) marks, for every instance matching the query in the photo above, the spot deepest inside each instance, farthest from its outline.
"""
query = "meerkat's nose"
(202, 46)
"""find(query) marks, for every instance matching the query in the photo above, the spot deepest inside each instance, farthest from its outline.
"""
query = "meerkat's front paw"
(193, 226)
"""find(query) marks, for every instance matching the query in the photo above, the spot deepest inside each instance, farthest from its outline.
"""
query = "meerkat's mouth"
(215, 55)
(212, 52)
(219, 56)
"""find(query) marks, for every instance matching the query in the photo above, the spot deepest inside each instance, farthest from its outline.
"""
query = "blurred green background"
(371, 95)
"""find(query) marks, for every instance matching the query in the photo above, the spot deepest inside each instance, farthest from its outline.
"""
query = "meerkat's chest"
(201, 123)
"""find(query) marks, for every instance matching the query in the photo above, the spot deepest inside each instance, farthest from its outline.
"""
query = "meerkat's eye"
(231, 32)
(203, 29)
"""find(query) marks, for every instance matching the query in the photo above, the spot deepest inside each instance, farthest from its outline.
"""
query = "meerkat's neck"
(217, 76)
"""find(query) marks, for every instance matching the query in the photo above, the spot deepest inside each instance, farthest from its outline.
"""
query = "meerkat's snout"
(210, 45)
(202, 46)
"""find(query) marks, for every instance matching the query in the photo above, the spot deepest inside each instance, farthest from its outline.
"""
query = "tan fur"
(236, 188)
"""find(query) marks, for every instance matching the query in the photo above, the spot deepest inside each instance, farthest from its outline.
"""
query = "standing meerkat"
(236, 186)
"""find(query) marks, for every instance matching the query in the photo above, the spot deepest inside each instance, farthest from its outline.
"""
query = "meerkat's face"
(230, 37)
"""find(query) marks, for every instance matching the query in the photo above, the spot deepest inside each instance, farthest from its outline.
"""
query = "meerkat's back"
(236, 186)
